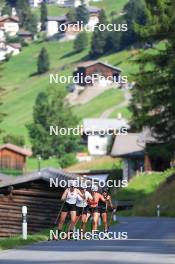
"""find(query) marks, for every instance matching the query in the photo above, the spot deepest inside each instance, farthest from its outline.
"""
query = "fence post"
(114, 217)
(24, 222)
(158, 210)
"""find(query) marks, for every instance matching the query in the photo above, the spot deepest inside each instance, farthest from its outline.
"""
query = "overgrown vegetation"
(147, 191)
(51, 110)
(153, 103)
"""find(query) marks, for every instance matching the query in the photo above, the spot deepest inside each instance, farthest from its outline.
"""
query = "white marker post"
(158, 210)
(24, 222)
(114, 217)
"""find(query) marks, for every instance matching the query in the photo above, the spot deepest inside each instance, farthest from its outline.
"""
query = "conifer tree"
(43, 16)
(153, 102)
(99, 38)
(43, 61)
(50, 109)
(81, 42)
(82, 14)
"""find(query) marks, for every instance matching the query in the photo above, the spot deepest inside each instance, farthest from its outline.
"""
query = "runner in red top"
(93, 207)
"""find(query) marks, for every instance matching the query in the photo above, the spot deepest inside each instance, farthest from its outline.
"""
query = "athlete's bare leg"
(105, 221)
(62, 220)
(95, 220)
(73, 220)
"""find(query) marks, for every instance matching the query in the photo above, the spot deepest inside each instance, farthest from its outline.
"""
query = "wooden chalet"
(91, 68)
(132, 148)
(13, 157)
(34, 191)
(9, 24)
(8, 19)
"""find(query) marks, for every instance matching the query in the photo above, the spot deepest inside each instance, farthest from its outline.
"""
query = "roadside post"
(158, 210)
(24, 222)
(114, 217)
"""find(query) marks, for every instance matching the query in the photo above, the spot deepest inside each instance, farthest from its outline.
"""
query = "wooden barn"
(13, 157)
(34, 191)
(88, 70)
(133, 149)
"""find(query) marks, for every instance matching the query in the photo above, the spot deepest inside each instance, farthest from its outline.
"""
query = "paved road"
(150, 241)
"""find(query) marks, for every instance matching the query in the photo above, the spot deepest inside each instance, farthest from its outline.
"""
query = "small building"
(98, 134)
(13, 157)
(133, 149)
(71, 3)
(35, 3)
(34, 191)
(88, 72)
(10, 25)
(14, 48)
(27, 36)
(2, 35)
(53, 23)
(9, 49)
(94, 13)
(128, 148)
(70, 29)
(2, 51)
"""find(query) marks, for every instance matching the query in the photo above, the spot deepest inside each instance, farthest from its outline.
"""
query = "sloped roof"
(44, 174)
(57, 18)
(93, 9)
(97, 124)
(127, 145)
(24, 33)
(16, 149)
(92, 63)
(5, 178)
(13, 18)
(15, 45)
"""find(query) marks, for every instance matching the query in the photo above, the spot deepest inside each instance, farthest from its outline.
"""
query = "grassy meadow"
(147, 191)
(22, 85)
(101, 163)
(98, 105)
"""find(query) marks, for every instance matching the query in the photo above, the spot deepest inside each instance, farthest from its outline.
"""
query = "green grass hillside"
(22, 85)
(22, 88)
(100, 163)
(149, 190)
(107, 5)
(110, 5)
(99, 104)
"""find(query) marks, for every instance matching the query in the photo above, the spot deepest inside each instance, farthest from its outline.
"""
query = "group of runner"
(80, 204)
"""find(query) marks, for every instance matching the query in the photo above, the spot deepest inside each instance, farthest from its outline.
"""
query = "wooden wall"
(97, 68)
(42, 203)
(101, 69)
(11, 160)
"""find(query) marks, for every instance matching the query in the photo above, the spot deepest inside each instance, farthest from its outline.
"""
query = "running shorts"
(102, 210)
(81, 210)
(69, 207)
(92, 210)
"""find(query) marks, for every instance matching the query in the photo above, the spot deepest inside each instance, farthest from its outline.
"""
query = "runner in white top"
(69, 197)
(83, 202)
(82, 206)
